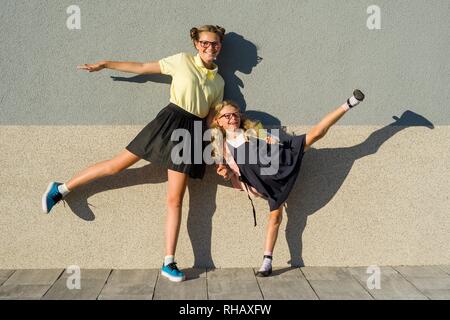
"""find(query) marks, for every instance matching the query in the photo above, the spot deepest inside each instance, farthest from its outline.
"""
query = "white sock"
(168, 260)
(63, 189)
(267, 263)
(355, 99)
(352, 102)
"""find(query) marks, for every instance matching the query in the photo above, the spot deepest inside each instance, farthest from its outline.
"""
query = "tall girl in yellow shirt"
(196, 88)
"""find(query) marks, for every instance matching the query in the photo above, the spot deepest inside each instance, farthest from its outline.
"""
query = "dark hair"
(195, 32)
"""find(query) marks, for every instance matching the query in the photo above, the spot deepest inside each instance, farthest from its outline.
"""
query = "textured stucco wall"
(369, 193)
(359, 201)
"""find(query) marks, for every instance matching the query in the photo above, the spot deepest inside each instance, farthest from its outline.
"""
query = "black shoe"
(358, 95)
(263, 274)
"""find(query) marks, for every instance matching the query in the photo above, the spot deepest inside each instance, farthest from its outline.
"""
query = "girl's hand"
(222, 170)
(271, 140)
(92, 67)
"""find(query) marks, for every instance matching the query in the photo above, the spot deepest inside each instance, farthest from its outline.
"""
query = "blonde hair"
(245, 124)
(195, 32)
(250, 127)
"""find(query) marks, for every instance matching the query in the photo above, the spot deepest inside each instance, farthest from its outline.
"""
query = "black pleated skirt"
(155, 142)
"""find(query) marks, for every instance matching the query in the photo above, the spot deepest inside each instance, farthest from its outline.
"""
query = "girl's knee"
(276, 218)
(174, 201)
(121, 162)
(314, 136)
(111, 168)
(318, 134)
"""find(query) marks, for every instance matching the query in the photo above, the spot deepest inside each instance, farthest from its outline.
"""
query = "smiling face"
(208, 46)
(229, 118)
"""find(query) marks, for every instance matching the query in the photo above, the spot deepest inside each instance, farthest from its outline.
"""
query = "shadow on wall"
(238, 54)
(325, 170)
(143, 78)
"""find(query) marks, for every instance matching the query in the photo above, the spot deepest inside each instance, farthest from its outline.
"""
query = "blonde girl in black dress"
(247, 175)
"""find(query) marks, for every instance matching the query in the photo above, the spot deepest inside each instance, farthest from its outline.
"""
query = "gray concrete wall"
(370, 193)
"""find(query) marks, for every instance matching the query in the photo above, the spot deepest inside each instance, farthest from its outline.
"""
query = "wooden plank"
(286, 284)
(34, 277)
(23, 292)
(92, 283)
(445, 268)
(130, 285)
(434, 288)
(326, 273)
(5, 274)
(233, 284)
(343, 289)
(421, 272)
(29, 284)
(193, 288)
(393, 286)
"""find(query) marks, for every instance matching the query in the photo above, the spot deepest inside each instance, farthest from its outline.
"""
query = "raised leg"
(321, 129)
(113, 166)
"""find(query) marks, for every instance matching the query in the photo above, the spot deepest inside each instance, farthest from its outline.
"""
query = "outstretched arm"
(131, 67)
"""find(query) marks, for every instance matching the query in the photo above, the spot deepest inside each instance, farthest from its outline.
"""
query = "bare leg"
(115, 165)
(275, 219)
(319, 130)
(176, 187)
(273, 226)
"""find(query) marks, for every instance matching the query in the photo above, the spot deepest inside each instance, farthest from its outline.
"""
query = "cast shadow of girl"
(325, 170)
(238, 54)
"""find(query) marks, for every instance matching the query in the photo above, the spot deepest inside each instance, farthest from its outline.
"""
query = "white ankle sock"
(266, 265)
(168, 260)
(353, 102)
(63, 189)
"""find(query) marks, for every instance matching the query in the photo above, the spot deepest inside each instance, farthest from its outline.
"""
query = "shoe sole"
(358, 95)
(262, 275)
(172, 278)
(44, 198)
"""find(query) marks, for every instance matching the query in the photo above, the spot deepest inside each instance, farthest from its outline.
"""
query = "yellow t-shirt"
(194, 87)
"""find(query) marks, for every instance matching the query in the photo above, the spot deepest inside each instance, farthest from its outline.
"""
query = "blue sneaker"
(51, 197)
(172, 273)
